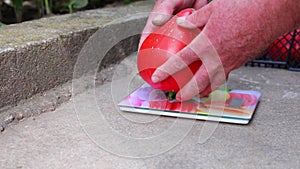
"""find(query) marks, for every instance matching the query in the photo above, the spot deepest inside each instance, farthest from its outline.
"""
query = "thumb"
(197, 19)
(162, 13)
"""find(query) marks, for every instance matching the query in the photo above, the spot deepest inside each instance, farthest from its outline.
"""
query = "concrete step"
(40, 55)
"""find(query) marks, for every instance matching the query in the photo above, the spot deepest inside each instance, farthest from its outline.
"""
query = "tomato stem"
(171, 95)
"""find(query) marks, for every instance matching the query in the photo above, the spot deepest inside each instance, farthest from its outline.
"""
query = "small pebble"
(1, 128)
(20, 116)
(9, 119)
(52, 109)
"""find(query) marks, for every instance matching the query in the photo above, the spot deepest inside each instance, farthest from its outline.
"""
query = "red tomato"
(279, 49)
(295, 52)
(162, 44)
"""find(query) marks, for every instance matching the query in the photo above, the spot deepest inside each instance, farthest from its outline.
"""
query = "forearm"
(282, 15)
(239, 22)
(295, 12)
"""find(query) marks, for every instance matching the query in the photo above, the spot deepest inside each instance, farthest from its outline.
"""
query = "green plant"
(12, 11)
(77, 4)
(48, 5)
(126, 1)
(18, 8)
(44, 7)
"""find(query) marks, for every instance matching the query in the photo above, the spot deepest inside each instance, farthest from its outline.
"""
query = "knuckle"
(178, 64)
(187, 55)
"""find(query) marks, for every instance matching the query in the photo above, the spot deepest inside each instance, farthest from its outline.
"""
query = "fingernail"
(155, 79)
(159, 19)
(181, 20)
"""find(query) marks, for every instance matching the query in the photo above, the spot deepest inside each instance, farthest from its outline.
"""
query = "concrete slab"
(90, 132)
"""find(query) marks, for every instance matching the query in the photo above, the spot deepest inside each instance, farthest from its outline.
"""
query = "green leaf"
(48, 7)
(79, 3)
(126, 1)
(18, 8)
(2, 24)
(171, 96)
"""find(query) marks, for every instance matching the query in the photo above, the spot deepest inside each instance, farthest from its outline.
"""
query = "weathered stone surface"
(38, 55)
(63, 138)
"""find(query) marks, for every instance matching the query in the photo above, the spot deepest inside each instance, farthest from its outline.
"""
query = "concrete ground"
(90, 132)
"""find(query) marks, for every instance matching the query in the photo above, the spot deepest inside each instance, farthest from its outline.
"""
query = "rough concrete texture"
(38, 55)
(49, 100)
(64, 138)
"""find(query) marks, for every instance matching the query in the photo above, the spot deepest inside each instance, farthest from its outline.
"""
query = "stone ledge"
(39, 55)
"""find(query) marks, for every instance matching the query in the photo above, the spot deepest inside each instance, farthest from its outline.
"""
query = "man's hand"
(164, 10)
(235, 32)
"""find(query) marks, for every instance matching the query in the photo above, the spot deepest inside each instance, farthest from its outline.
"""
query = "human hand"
(235, 32)
(162, 12)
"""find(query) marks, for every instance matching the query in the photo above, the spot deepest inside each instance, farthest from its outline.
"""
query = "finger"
(199, 4)
(197, 19)
(149, 28)
(206, 91)
(174, 64)
(199, 49)
(161, 13)
(203, 82)
(165, 9)
(211, 71)
(199, 82)
(216, 81)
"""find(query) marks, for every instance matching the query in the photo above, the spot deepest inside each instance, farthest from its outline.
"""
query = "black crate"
(282, 53)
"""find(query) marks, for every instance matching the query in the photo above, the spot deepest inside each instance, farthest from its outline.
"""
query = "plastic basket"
(282, 53)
